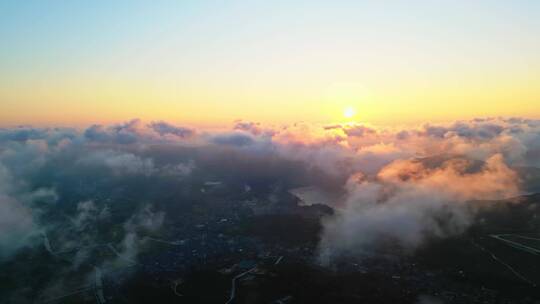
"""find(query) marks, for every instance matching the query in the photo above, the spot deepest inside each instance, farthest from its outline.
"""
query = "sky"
(210, 63)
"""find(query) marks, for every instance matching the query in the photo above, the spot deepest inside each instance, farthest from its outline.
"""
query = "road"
(494, 257)
(516, 245)
(233, 284)
(47, 243)
(100, 298)
(174, 243)
(119, 255)
(74, 292)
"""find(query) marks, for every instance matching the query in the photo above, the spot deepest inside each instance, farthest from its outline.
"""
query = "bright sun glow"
(349, 112)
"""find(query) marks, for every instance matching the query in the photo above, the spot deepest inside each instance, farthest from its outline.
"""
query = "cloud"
(358, 130)
(412, 200)
(96, 133)
(21, 134)
(180, 170)
(163, 128)
(145, 220)
(119, 162)
(88, 213)
(237, 139)
(18, 227)
(125, 133)
(475, 130)
(397, 183)
(254, 128)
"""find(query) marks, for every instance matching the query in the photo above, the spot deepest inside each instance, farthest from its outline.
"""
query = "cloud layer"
(400, 184)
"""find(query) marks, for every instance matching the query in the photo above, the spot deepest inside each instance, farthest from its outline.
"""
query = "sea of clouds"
(403, 185)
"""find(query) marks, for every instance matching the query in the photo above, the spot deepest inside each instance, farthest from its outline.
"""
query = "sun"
(349, 112)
